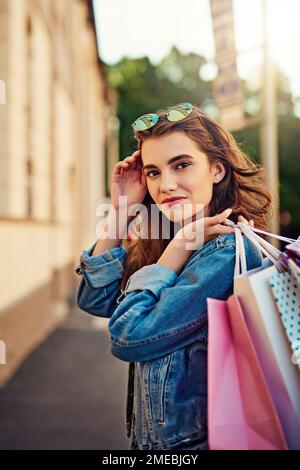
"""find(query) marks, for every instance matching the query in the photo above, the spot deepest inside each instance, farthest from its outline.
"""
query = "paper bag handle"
(270, 251)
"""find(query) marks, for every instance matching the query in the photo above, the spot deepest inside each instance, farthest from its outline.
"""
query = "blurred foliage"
(143, 87)
(288, 151)
(289, 167)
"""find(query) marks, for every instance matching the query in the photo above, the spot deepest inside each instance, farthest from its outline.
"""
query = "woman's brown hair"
(243, 187)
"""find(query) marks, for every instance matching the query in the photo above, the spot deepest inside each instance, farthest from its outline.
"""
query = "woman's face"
(190, 176)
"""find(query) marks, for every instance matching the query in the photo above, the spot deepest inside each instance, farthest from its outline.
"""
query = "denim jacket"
(159, 325)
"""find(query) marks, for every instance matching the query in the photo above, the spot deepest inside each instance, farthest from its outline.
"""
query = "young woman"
(159, 322)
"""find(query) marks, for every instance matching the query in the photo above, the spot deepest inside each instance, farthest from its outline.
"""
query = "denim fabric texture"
(159, 326)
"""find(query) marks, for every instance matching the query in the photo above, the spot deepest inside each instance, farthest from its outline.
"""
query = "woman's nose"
(168, 182)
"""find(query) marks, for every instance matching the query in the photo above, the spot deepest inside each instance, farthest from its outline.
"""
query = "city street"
(69, 394)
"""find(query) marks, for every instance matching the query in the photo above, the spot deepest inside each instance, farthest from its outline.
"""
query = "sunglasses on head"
(176, 113)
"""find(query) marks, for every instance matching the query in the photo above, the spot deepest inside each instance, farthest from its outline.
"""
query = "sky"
(134, 29)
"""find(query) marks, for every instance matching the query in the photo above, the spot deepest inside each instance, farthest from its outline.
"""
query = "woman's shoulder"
(221, 241)
(223, 247)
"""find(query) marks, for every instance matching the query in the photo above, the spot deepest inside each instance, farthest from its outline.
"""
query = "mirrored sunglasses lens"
(145, 122)
(178, 113)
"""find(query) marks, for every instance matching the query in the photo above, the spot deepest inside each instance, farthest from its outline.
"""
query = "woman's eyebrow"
(173, 159)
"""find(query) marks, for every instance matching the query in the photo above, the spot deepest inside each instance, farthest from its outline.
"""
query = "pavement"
(70, 393)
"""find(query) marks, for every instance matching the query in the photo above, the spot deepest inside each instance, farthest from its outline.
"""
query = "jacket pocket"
(163, 373)
(197, 380)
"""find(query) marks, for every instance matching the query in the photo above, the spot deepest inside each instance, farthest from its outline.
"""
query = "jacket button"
(78, 270)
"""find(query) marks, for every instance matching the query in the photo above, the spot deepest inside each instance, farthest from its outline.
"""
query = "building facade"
(56, 150)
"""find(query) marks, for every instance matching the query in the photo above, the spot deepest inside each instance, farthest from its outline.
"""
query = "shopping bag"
(293, 251)
(241, 414)
(268, 334)
(295, 270)
(286, 292)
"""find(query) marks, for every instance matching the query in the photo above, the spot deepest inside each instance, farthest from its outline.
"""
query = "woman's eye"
(182, 163)
(149, 173)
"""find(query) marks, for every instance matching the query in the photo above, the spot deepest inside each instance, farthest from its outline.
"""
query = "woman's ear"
(218, 171)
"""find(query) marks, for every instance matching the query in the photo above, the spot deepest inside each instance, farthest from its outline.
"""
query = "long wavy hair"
(243, 187)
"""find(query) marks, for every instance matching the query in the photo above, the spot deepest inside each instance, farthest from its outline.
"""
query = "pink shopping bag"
(241, 414)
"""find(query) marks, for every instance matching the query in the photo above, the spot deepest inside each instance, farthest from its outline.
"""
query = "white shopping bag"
(268, 335)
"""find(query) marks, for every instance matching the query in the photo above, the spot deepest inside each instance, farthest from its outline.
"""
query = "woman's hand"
(195, 234)
(128, 180)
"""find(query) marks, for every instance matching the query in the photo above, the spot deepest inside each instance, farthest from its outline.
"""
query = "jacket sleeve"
(99, 287)
(163, 311)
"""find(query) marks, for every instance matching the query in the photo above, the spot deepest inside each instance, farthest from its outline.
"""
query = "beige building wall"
(53, 139)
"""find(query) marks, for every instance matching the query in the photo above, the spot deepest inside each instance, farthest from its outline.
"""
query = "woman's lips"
(176, 201)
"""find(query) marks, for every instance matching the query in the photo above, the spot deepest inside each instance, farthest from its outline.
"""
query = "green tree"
(143, 87)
